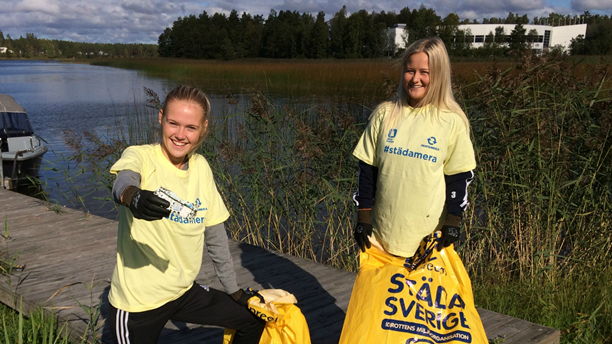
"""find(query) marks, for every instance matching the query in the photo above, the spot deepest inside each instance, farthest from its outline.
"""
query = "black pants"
(199, 305)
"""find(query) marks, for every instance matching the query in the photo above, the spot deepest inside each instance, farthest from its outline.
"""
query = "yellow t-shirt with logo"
(413, 152)
(157, 261)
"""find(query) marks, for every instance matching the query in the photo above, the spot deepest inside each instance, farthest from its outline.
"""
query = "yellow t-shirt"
(157, 261)
(412, 153)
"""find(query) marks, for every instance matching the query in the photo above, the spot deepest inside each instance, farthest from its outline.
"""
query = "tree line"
(362, 34)
(291, 34)
(32, 47)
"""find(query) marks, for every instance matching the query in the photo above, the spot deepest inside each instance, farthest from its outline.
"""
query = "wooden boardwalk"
(68, 258)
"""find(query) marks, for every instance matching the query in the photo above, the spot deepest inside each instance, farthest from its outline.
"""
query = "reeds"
(357, 79)
(287, 176)
(538, 228)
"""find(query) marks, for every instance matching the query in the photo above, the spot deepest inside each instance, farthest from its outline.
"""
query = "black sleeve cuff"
(364, 197)
(456, 192)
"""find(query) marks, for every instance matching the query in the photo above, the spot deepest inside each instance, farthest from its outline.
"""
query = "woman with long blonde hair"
(416, 158)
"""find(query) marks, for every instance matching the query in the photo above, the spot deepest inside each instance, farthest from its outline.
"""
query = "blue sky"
(142, 21)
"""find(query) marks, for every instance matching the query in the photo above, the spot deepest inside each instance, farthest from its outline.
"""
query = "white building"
(476, 34)
(397, 37)
(546, 37)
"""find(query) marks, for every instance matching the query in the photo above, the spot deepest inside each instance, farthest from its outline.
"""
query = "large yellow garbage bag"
(285, 323)
(423, 299)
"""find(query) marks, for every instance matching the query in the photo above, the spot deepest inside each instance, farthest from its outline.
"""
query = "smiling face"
(416, 77)
(182, 127)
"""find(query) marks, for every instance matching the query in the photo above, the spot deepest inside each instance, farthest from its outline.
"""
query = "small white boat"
(22, 150)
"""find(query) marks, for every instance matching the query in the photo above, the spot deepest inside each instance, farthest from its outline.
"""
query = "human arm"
(456, 203)
(124, 179)
(364, 200)
(142, 203)
(218, 249)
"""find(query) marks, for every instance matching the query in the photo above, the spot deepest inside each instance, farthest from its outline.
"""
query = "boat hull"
(26, 164)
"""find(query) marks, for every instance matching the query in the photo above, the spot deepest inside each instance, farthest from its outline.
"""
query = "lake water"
(80, 97)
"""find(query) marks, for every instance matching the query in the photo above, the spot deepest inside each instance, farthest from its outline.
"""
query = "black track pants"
(199, 305)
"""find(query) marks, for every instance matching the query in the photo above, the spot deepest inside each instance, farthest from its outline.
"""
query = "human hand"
(145, 205)
(361, 233)
(363, 229)
(242, 296)
(451, 231)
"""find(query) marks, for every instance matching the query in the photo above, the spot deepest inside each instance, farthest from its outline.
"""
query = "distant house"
(543, 36)
(4, 50)
(397, 37)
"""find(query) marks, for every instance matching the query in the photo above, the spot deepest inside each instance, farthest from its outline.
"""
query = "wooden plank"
(535, 335)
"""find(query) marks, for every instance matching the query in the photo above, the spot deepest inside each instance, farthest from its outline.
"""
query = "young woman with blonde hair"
(416, 158)
(159, 251)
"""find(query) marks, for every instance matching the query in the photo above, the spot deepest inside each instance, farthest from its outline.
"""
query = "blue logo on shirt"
(431, 142)
(197, 204)
(391, 135)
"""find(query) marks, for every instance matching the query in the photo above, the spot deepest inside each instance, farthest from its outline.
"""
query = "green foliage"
(32, 47)
(286, 175)
(517, 39)
(39, 327)
(542, 195)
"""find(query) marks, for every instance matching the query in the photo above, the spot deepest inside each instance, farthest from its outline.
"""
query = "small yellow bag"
(285, 323)
(424, 299)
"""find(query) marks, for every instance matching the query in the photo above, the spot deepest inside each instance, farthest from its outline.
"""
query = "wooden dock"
(67, 258)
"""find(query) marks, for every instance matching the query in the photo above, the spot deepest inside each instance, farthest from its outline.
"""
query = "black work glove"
(145, 205)
(242, 296)
(451, 231)
(363, 229)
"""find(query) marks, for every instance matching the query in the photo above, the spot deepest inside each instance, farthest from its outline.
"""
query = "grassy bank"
(537, 246)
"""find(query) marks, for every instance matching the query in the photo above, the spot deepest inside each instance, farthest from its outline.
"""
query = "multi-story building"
(539, 37)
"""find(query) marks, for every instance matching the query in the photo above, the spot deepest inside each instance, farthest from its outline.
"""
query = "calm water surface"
(60, 96)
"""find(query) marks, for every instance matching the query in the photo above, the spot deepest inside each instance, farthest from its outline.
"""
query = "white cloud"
(589, 5)
(128, 21)
(38, 6)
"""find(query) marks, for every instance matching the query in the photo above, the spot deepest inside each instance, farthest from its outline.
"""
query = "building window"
(546, 38)
(479, 39)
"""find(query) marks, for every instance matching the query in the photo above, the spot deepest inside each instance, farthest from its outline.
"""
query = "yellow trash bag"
(285, 323)
(423, 299)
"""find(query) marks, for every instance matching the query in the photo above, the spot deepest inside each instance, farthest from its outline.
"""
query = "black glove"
(145, 205)
(363, 229)
(242, 296)
(451, 231)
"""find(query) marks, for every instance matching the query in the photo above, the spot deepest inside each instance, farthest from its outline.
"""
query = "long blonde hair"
(439, 92)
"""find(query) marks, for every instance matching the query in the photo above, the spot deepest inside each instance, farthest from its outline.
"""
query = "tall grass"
(357, 79)
(285, 175)
(38, 328)
(538, 244)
